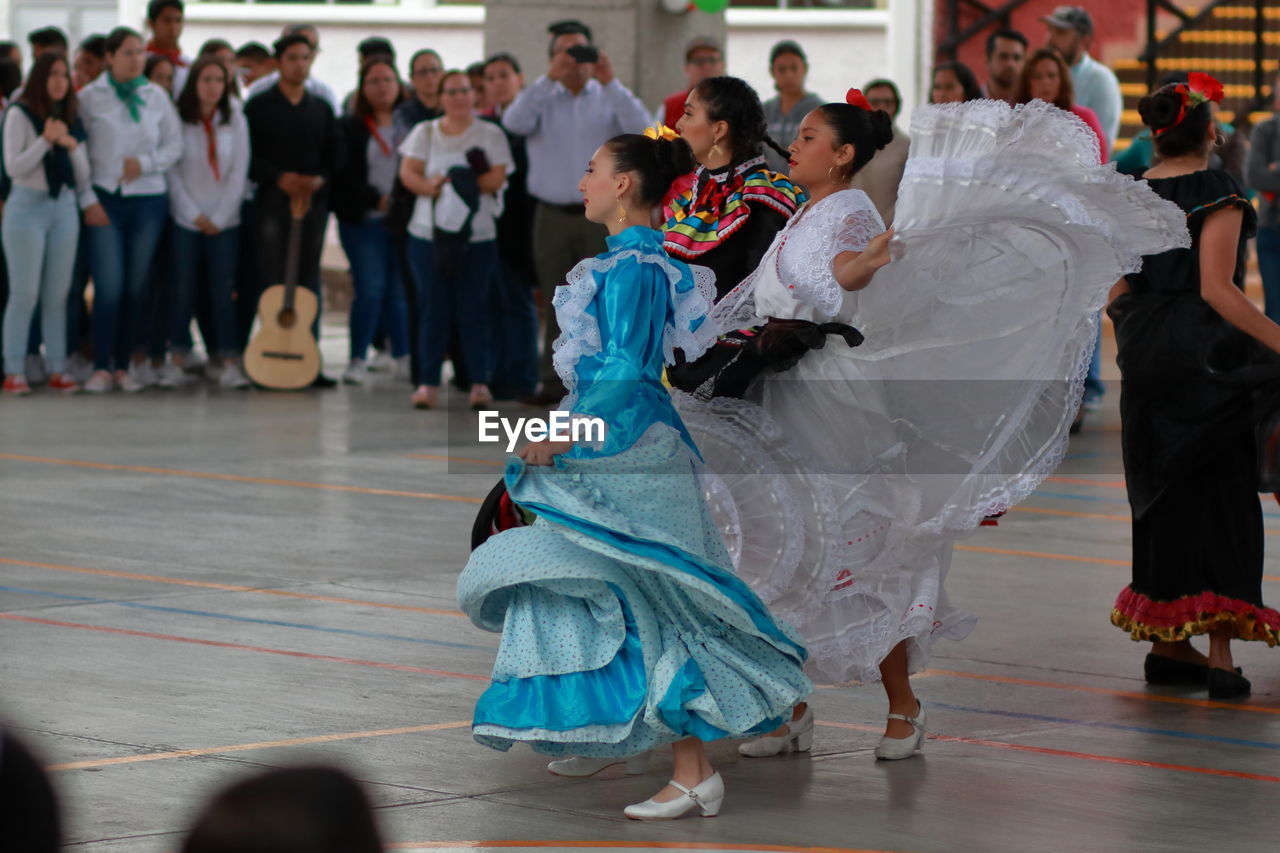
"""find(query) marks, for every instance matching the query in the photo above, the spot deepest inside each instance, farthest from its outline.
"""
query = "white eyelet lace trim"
(689, 329)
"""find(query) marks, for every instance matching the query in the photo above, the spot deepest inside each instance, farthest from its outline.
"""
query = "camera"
(583, 53)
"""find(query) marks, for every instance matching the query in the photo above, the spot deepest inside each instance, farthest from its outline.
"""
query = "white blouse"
(441, 152)
(24, 151)
(193, 189)
(155, 140)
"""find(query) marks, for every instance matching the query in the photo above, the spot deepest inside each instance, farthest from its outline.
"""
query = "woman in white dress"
(844, 482)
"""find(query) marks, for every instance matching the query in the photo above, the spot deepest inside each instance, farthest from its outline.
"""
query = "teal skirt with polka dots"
(623, 625)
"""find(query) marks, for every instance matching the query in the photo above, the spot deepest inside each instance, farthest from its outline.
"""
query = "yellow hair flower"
(661, 131)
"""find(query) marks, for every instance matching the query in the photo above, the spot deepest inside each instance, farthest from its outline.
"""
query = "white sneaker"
(99, 383)
(79, 367)
(403, 368)
(195, 361)
(143, 372)
(174, 376)
(356, 373)
(233, 378)
(131, 380)
(36, 372)
(382, 361)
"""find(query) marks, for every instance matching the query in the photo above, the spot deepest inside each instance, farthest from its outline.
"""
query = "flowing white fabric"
(957, 405)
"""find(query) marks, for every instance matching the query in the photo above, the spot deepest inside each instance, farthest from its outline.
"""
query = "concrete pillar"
(645, 42)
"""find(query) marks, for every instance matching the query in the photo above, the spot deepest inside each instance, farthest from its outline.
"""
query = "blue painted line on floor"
(247, 619)
(1096, 499)
(1097, 724)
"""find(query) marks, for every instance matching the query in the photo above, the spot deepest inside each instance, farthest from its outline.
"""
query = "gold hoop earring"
(1219, 139)
(622, 212)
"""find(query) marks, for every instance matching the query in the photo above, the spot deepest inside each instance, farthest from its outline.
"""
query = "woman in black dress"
(725, 217)
(1197, 361)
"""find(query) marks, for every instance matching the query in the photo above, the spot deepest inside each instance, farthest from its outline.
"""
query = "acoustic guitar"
(283, 355)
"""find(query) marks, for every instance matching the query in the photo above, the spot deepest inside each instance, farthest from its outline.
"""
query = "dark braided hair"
(733, 101)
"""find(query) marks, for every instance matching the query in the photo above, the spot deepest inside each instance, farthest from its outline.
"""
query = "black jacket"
(352, 194)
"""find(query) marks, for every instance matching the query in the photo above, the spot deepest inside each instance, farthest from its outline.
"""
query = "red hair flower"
(855, 98)
(1204, 85)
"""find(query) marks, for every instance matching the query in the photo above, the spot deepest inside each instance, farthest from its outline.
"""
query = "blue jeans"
(1093, 386)
(379, 292)
(515, 332)
(39, 235)
(120, 256)
(461, 303)
(1269, 267)
(197, 256)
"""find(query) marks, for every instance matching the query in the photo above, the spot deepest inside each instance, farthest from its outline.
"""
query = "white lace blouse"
(795, 279)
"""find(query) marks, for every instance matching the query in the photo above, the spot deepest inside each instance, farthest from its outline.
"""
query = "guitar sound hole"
(287, 317)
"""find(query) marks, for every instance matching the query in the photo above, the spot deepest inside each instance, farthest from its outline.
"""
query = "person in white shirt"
(134, 139)
(45, 157)
(457, 166)
(1096, 85)
(206, 187)
(314, 85)
(565, 116)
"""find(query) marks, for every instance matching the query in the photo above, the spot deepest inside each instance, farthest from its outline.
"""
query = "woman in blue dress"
(623, 625)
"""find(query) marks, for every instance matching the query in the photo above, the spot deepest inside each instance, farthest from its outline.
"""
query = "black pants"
(274, 219)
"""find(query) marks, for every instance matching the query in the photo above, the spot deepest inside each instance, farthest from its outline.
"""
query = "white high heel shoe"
(895, 748)
(580, 767)
(709, 795)
(799, 736)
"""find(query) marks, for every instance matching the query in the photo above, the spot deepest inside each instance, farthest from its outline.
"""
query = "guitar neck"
(293, 256)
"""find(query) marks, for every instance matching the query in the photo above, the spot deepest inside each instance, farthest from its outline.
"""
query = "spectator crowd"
(164, 186)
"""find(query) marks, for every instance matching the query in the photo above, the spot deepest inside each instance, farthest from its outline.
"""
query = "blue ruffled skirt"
(622, 626)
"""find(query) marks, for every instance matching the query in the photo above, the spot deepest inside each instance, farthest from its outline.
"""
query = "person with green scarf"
(134, 138)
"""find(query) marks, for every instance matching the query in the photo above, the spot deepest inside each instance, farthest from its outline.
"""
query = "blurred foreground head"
(28, 807)
(299, 810)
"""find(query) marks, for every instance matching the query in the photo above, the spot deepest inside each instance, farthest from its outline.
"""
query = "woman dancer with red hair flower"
(1194, 354)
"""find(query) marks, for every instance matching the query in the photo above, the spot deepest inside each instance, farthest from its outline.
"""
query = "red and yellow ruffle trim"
(712, 207)
(1147, 620)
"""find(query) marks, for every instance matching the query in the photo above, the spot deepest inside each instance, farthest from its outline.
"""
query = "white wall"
(845, 47)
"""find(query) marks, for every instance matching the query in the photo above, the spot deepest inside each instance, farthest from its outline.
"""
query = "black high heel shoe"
(1225, 684)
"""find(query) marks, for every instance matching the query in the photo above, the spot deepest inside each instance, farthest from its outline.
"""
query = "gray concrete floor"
(198, 584)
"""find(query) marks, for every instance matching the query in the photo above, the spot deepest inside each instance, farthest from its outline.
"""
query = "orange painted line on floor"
(1041, 555)
(244, 747)
(576, 844)
(238, 478)
(437, 458)
(1101, 516)
(1084, 481)
(229, 587)
(1107, 691)
(1074, 558)
(173, 638)
(1086, 756)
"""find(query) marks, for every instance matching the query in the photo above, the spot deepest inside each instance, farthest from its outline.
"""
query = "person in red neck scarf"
(361, 199)
(206, 188)
(164, 18)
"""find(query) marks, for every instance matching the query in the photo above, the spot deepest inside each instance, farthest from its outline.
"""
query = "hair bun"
(675, 158)
(881, 129)
(1160, 109)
